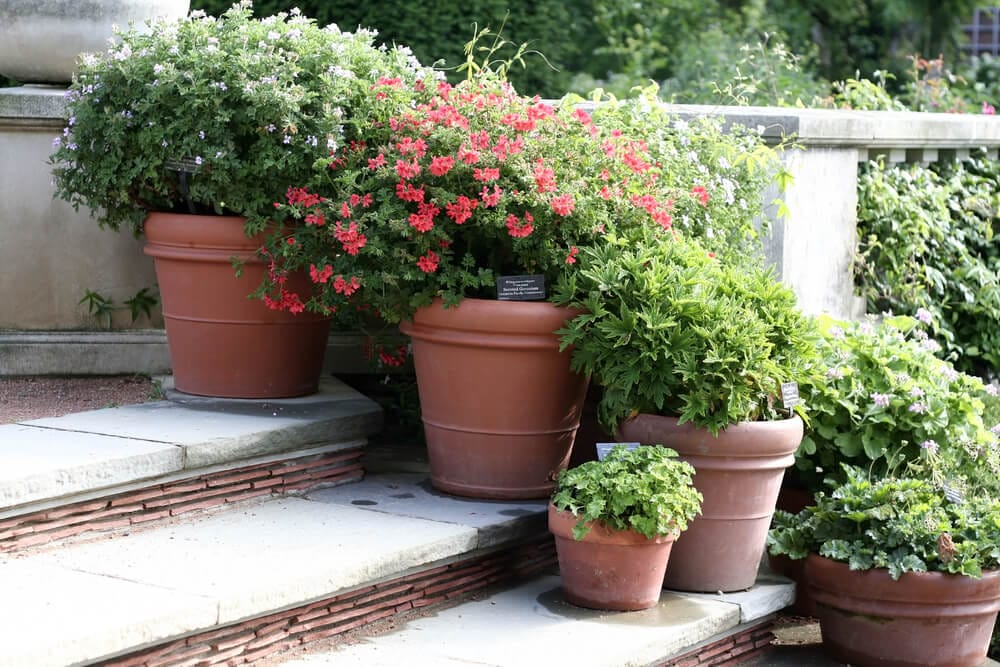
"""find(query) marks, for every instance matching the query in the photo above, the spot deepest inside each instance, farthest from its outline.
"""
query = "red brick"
(267, 639)
(246, 495)
(763, 641)
(285, 615)
(149, 516)
(221, 656)
(716, 649)
(31, 540)
(198, 505)
(76, 508)
(419, 576)
(267, 482)
(452, 584)
(690, 661)
(252, 657)
(138, 496)
(427, 602)
(381, 594)
(276, 626)
(185, 486)
(235, 477)
(742, 658)
(236, 638)
(327, 632)
(295, 465)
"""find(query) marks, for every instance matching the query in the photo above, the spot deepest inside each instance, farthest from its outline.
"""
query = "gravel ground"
(24, 398)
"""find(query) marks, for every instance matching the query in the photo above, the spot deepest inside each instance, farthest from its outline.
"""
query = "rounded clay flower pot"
(499, 403)
(739, 474)
(223, 343)
(41, 40)
(619, 570)
(925, 619)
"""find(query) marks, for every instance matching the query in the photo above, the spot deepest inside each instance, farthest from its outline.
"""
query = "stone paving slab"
(54, 616)
(770, 593)
(41, 463)
(46, 459)
(411, 494)
(258, 558)
(533, 625)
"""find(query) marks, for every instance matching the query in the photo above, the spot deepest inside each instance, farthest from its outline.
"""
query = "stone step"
(125, 466)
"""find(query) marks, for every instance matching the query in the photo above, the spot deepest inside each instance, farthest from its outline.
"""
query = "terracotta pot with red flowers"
(166, 123)
(456, 219)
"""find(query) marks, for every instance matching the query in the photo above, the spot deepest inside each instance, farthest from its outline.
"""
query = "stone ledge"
(56, 460)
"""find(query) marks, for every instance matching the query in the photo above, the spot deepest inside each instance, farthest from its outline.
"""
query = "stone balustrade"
(50, 254)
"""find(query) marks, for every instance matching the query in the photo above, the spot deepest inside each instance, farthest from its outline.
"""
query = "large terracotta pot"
(41, 40)
(221, 342)
(499, 403)
(925, 619)
(739, 474)
(619, 570)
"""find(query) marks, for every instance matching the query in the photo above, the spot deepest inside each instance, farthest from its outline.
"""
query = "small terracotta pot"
(738, 473)
(925, 619)
(498, 400)
(609, 569)
(223, 343)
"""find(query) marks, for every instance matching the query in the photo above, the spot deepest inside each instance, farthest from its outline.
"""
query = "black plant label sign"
(521, 288)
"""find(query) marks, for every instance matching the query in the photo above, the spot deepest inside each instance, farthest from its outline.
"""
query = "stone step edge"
(730, 648)
(151, 500)
(255, 639)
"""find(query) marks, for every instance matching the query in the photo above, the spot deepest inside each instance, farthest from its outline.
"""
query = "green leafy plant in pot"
(615, 521)
(190, 131)
(691, 352)
(902, 571)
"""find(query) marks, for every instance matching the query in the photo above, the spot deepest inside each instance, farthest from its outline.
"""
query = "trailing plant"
(216, 115)
(887, 404)
(668, 328)
(897, 523)
(926, 240)
(646, 489)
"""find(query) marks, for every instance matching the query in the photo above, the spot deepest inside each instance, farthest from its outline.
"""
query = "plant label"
(953, 494)
(604, 447)
(790, 394)
(521, 288)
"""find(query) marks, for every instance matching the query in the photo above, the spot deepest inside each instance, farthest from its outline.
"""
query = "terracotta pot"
(221, 342)
(925, 619)
(619, 570)
(499, 403)
(739, 473)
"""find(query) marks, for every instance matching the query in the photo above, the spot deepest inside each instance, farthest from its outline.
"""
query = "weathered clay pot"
(499, 402)
(739, 473)
(222, 343)
(609, 569)
(925, 619)
(40, 40)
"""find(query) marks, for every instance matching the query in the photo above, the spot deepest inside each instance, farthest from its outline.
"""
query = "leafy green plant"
(215, 115)
(646, 489)
(887, 404)
(670, 329)
(900, 524)
(927, 240)
(102, 307)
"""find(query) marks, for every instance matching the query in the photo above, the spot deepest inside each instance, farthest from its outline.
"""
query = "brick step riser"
(255, 639)
(166, 500)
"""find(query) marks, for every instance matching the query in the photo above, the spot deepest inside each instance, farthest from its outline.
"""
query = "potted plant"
(692, 352)
(615, 521)
(474, 184)
(902, 571)
(885, 402)
(189, 131)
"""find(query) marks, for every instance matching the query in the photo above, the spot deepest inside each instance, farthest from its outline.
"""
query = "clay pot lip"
(837, 578)
(778, 437)
(481, 315)
(562, 522)
(224, 232)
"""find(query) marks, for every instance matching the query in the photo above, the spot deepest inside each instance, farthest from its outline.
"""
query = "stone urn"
(40, 40)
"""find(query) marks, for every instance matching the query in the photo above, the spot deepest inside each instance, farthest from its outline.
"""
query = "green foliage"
(927, 240)
(102, 307)
(887, 404)
(900, 524)
(437, 29)
(647, 489)
(670, 329)
(214, 115)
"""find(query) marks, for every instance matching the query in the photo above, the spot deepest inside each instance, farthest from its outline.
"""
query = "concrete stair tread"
(88, 453)
(115, 594)
(531, 623)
